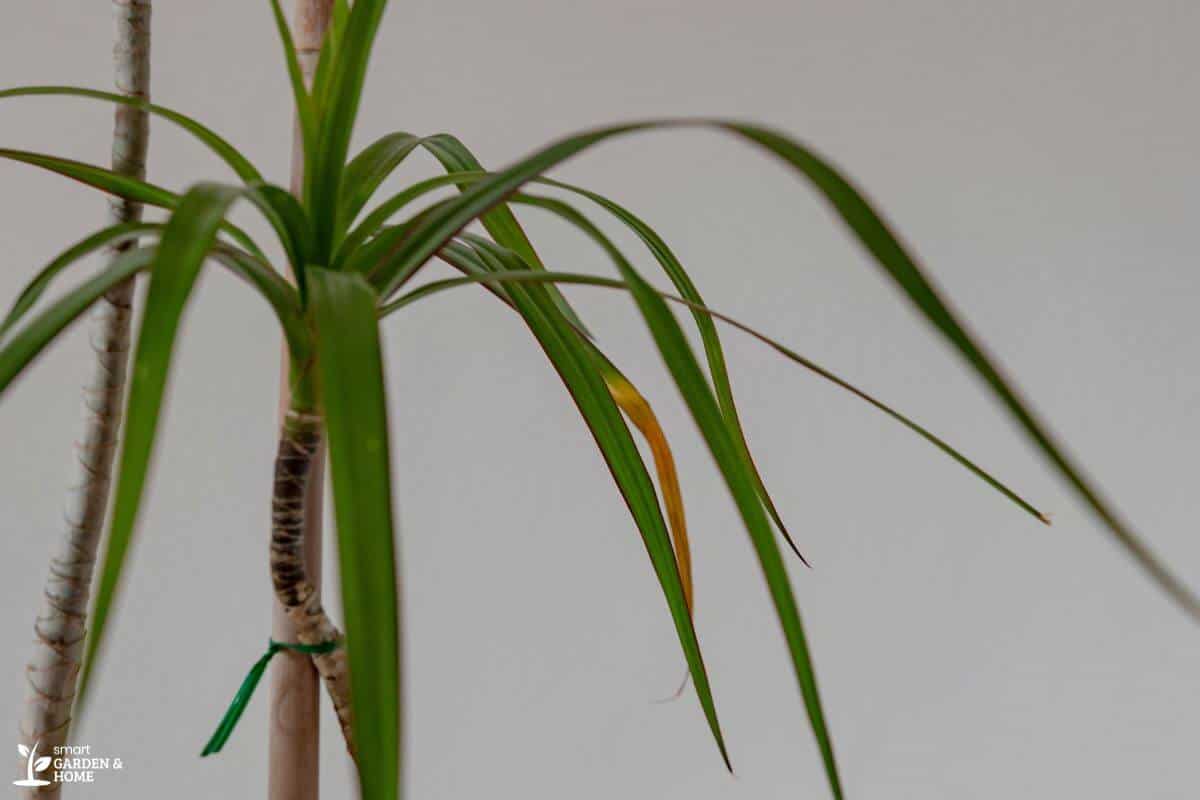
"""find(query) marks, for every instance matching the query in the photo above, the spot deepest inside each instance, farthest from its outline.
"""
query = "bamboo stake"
(294, 729)
(60, 629)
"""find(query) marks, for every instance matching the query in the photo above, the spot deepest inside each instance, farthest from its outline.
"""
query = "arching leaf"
(186, 242)
(868, 228)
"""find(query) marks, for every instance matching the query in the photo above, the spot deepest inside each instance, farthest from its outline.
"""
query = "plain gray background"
(1039, 157)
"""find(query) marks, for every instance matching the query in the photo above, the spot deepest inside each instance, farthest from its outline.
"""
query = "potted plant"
(349, 262)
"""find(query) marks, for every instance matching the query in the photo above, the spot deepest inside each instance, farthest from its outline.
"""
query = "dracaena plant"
(353, 258)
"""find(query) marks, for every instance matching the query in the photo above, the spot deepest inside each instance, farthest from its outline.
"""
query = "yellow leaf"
(642, 416)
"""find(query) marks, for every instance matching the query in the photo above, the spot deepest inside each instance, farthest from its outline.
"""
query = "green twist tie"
(242, 698)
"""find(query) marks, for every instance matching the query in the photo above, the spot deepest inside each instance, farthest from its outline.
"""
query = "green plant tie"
(246, 690)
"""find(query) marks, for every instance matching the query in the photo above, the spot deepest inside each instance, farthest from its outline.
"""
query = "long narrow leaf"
(367, 171)
(327, 59)
(709, 337)
(185, 243)
(360, 250)
(305, 111)
(119, 185)
(32, 338)
(500, 222)
(639, 412)
(337, 123)
(98, 177)
(223, 149)
(525, 276)
(352, 392)
(871, 231)
(112, 235)
(291, 224)
(279, 294)
(635, 407)
(579, 370)
(504, 227)
(693, 386)
(282, 298)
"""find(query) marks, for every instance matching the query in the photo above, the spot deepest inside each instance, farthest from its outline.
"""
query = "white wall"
(1039, 156)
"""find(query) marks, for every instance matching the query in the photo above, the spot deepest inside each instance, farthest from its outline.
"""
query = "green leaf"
(29, 341)
(580, 371)
(187, 240)
(282, 297)
(113, 236)
(328, 55)
(871, 231)
(285, 214)
(693, 386)
(713, 349)
(355, 253)
(500, 222)
(305, 111)
(290, 222)
(100, 178)
(367, 171)
(123, 186)
(353, 395)
(227, 152)
(527, 276)
(709, 337)
(337, 123)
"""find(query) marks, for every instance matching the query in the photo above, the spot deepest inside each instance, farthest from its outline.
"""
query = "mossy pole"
(294, 726)
(60, 629)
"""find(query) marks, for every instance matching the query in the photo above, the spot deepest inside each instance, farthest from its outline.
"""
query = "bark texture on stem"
(60, 628)
(294, 729)
(299, 446)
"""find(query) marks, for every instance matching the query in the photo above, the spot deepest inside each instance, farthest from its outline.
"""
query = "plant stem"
(60, 629)
(294, 729)
(299, 448)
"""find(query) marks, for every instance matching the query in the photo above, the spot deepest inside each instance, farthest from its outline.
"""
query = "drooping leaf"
(367, 171)
(366, 244)
(106, 180)
(352, 393)
(639, 412)
(500, 222)
(580, 371)
(186, 242)
(525, 276)
(698, 395)
(31, 338)
(291, 224)
(112, 236)
(631, 402)
(279, 294)
(871, 231)
(223, 149)
(124, 186)
(709, 337)
(506, 230)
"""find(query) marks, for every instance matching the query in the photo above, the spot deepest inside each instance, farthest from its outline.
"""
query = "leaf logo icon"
(33, 764)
